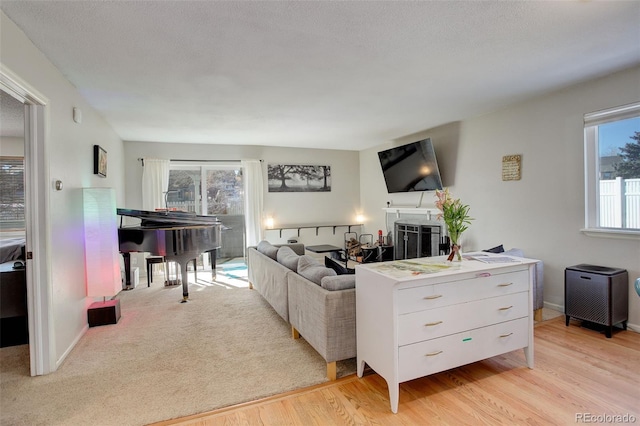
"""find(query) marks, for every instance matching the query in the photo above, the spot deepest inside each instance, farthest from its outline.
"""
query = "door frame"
(39, 303)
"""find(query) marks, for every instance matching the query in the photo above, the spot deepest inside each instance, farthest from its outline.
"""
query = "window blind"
(12, 190)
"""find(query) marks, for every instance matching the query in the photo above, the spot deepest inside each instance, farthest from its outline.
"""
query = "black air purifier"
(597, 294)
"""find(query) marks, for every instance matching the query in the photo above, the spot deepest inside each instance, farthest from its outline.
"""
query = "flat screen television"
(411, 167)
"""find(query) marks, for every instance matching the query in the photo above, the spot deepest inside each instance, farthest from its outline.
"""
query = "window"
(612, 171)
(212, 190)
(11, 193)
(206, 190)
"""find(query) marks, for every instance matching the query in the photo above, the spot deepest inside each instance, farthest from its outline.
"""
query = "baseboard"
(553, 306)
(71, 346)
(633, 327)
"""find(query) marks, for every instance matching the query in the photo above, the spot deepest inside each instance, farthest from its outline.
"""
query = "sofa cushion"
(298, 248)
(287, 257)
(340, 282)
(266, 248)
(313, 270)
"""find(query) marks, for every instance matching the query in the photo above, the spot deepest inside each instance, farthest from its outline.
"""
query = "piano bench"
(152, 260)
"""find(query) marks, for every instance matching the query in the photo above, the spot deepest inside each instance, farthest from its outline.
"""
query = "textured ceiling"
(340, 74)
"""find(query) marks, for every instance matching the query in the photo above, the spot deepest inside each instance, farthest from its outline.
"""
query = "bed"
(12, 249)
(13, 293)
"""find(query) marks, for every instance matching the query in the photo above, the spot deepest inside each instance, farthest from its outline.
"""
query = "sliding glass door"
(212, 189)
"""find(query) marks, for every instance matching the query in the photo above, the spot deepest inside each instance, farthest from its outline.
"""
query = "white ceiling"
(339, 74)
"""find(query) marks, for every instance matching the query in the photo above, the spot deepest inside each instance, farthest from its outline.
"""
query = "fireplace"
(416, 240)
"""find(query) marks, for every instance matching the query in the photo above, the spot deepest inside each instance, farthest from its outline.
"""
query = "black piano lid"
(164, 218)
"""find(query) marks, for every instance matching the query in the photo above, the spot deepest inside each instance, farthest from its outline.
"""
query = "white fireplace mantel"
(398, 210)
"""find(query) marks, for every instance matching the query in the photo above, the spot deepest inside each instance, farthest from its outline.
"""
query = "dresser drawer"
(438, 322)
(451, 293)
(433, 356)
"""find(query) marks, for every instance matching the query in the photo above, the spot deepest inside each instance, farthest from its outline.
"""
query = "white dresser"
(413, 324)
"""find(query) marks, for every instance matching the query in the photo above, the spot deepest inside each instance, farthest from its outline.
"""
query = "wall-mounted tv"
(411, 167)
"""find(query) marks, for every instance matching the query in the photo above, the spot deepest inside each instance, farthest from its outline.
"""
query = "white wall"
(69, 151)
(445, 141)
(339, 205)
(11, 147)
(544, 211)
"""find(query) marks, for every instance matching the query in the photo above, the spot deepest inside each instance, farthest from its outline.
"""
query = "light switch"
(77, 115)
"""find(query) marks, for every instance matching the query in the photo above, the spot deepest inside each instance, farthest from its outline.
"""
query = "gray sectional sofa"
(319, 304)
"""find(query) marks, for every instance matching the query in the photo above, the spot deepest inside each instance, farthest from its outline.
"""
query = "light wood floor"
(578, 372)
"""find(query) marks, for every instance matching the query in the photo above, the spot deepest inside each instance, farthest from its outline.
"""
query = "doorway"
(39, 313)
(13, 291)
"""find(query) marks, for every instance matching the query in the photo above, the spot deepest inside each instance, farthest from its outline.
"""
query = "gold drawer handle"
(505, 284)
(433, 353)
(506, 308)
(506, 335)
(431, 324)
(435, 296)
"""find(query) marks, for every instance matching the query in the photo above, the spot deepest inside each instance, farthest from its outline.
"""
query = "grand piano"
(178, 236)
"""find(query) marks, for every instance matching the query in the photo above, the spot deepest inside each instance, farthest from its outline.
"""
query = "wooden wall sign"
(511, 166)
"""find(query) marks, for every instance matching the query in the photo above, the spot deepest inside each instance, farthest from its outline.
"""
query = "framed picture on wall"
(298, 178)
(99, 161)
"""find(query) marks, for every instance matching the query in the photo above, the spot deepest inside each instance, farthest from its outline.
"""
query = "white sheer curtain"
(253, 200)
(155, 182)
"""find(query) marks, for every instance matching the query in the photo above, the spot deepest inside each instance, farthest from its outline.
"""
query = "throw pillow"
(287, 257)
(496, 249)
(340, 282)
(313, 270)
(266, 248)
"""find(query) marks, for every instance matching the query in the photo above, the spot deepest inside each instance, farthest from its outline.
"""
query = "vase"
(455, 255)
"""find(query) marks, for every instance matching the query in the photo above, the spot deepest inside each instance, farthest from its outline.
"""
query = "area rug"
(165, 359)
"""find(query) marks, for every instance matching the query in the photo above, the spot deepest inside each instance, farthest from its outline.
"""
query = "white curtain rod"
(199, 161)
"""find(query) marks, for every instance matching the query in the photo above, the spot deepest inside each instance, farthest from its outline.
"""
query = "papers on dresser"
(485, 258)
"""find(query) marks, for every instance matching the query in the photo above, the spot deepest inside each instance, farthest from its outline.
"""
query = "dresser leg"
(394, 396)
(360, 367)
(528, 354)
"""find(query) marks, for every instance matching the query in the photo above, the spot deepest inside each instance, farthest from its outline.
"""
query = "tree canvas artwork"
(298, 178)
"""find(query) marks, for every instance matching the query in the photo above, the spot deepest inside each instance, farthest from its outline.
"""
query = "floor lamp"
(101, 249)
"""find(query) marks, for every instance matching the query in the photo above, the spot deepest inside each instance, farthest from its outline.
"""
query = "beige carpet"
(165, 359)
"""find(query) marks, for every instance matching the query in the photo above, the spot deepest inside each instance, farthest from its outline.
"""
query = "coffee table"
(324, 248)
